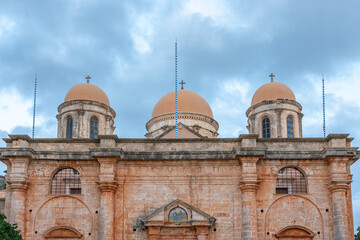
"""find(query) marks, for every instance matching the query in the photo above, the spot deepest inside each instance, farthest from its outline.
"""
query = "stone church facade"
(271, 183)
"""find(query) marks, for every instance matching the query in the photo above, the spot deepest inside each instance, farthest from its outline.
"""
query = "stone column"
(278, 124)
(107, 210)
(18, 204)
(248, 187)
(202, 233)
(81, 125)
(300, 124)
(60, 129)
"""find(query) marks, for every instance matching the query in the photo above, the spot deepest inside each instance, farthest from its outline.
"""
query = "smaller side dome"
(87, 91)
(188, 102)
(272, 91)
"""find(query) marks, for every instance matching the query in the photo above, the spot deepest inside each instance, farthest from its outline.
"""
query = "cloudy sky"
(226, 49)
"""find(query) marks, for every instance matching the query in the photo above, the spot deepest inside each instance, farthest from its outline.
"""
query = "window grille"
(69, 127)
(93, 127)
(66, 181)
(266, 128)
(290, 181)
(290, 127)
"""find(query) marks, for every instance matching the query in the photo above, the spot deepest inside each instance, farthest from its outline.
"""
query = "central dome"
(272, 91)
(188, 102)
(87, 91)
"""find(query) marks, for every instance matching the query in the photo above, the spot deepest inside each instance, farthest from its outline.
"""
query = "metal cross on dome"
(182, 84)
(272, 77)
(87, 78)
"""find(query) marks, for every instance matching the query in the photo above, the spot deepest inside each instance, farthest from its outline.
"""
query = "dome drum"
(201, 124)
(193, 112)
(85, 113)
(274, 112)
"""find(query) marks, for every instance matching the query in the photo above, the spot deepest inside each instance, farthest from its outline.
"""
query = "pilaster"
(107, 158)
(338, 186)
(202, 233)
(248, 185)
(107, 210)
(18, 204)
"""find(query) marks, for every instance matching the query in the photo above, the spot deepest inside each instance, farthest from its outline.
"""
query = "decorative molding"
(107, 186)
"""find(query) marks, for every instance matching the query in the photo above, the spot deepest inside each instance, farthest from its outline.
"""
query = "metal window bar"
(66, 181)
(290, 181)
(290, 127)
(266, 128)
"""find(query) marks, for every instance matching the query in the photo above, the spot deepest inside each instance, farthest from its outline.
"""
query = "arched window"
(290, 127)
(93, 127)
(266, 128)
(69, 127)
(290, 181)
(66, 181)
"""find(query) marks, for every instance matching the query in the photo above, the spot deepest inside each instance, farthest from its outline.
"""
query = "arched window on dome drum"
(265, 128)
(93, 127)
(290, 181)
(69, 127)
(290, 127)
(66, 181)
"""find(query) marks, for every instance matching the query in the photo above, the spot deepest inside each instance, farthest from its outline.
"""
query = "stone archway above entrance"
(177, 220)
(295, 232)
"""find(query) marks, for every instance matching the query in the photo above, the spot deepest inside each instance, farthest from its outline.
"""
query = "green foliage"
(357, 234)
(8, 231)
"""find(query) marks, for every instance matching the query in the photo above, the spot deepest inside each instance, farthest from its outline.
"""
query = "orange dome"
(188, 102)
(272, 91)
(87, 91)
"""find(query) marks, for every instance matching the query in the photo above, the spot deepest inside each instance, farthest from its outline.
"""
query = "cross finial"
(87, 78)
(182, 84)
(272, 77)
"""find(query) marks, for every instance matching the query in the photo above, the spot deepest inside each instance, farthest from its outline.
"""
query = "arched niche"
(62, 211)
(293, 210)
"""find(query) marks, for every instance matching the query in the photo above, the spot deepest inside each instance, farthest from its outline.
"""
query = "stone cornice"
(75, 102)
(106, 153)
(236, 153)
(17, 152)
(249, 152)
(340, 152)
(195, 116)
(276, 101)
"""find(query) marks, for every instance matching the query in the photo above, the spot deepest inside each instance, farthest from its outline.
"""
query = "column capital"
(339, 186)
(18, 186)
(249, 185)
(107, 186)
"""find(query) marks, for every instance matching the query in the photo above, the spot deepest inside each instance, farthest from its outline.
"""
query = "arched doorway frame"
(72, 233)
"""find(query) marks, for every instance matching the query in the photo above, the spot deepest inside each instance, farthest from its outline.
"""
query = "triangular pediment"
(183, 132)
(178, 212)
